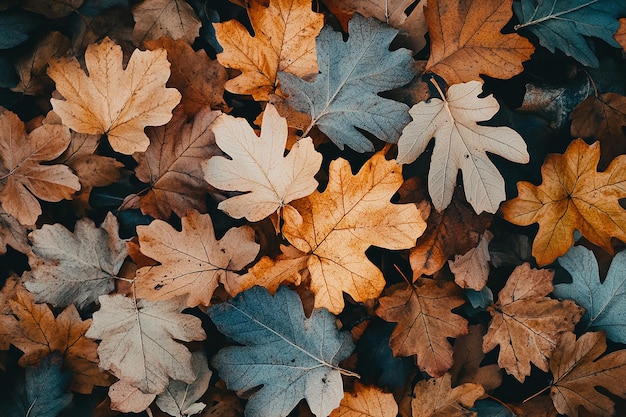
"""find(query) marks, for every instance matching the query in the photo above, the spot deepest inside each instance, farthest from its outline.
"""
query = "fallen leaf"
(74, 268)
(620, 35)
(425, 322)
(527, 324)
(366, 401)
(578, 369)
(129, 399)
(572, 196)
(174, 19)
(466, 40)
(257, 166)
(336, 227)
(172, 165)
(471, 270)
(23, 177)
(112, 100)
(52, 9)
(436, 398)
(462, 144)
(468, 357)
(12, 233)
(284, 40)
(192, 261)
(540, 406)
(291, 356)
(7, 320)
(138, 340)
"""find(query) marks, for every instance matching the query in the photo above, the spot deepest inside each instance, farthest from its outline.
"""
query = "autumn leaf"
(174, 19)
(23, 177)
(192, 261)
(129, 399)
(527, 324)
(466, 40)
(461, 144)
(113, 100)
(468, 357)
(74, 268)
(578, 369)
(52, 9)
(12, 234)
(336, 227)
(425, 322)
(471, 270)
(7, 320)
(436, 398)
(366, 401)
(257, 166)
(284, 40)
(620, 35)
(572, 196)
(138, 340)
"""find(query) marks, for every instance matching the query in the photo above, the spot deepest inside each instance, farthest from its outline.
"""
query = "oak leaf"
(23, 177)
(192, 261)
(436, 398)
(175, 19)
(74, 268)
(113, 100)
(527, 324)
(578, 369)
(471, 270)
(336, 227)
(257, 166)
(466, 40)
(138, 340)
(172, 165)
(572, 196)
(284, 40)
(366, 401)
(461, 144)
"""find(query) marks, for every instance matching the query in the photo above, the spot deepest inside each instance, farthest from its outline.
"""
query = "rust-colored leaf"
(436, 398)
(366, 401)
(468, 356)
(620, 35)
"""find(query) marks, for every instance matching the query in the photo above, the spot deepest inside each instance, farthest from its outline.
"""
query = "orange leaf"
(436, 398)
(175, 19)
(620, 35)
(366, 401)
(7, 321)
(572, 196)
(466, 40)
(468, 356)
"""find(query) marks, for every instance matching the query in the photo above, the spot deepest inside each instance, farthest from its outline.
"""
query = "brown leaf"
(116, 23)
(527, 324)
(471, 270)
(174, 19)
(12, 233)
(51, 9)
(425, 322)
(199, 79)
(468, 355)
(620, 35)
(466, 40)
(366, 401)
(172, 165)
(7, 320)
(572, 196)
(578, 369)
(129, 399)
(540, 406)
(436, 398)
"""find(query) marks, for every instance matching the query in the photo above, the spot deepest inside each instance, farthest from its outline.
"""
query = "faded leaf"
(129, 399)
(471, 270)
(366, 401)
(112, 100)
(572, 196)
(12, 233)
(51, 9)
(138, 340)
(7, 320)
(74, 268)
(425, 322)
(174, 19)
(257, 166)
(620, 35)
(336, 227)
(284, 40)
(468, 356)
(462, 144)
(192, 261)
(527, 324)
(436, 398)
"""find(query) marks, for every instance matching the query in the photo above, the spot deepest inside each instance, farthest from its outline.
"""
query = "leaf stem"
(537, 394)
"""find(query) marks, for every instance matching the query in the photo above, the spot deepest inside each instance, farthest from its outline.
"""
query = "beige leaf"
(436, 398)
(471, 270)
(129, 399)
(175, 19)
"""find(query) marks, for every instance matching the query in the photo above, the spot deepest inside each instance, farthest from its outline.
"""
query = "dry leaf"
(620, 35)
(436, 398)
(12, 233)
(51, 9)
(468, 356)
(366, 401)
(7, 320)
(174, 19)
(466, 40)
(113, 100)
(572, 196)
(284, 40)
(527, 324)
(471, 270)
(192, 261)
(425, 322)
(336, 227)
(129, 399)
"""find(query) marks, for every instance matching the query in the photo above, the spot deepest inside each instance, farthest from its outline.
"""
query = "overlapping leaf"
(436, 398)
(366, 401)
(172, 18)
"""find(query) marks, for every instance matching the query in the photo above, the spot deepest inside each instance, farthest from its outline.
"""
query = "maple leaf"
(258, 166)
(461, 144)
(344, 95)
(572, 196)
(172, 18)
(23, 177)
(112, 100)
(284, 41)
(336, 227)
(578, 369)
(526, 324)
(192, 261)
(171, 166)
(436, 398)
(425, 322)
(471, 270)
(291, 356)
(468, 356)
(603, 301)
(38, 333)
(565, 24)
(137, 340)
(366, 401)
(460, 52)
(74, 268)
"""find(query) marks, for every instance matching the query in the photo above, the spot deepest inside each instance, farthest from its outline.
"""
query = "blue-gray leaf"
(15, 26)
(491, 408)
(292, 357)
(605, 303)
(344, 95)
